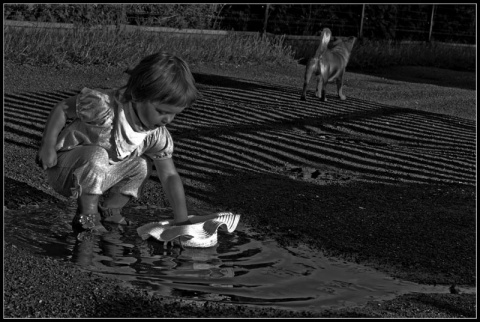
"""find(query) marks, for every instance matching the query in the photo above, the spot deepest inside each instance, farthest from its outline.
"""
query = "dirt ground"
(386, 178)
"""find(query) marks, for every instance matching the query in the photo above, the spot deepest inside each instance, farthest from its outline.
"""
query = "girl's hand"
(46, 157)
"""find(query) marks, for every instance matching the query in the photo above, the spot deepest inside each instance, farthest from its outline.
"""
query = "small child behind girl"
(113, 139)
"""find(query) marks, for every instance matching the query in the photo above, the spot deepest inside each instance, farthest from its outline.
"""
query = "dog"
(328, 64)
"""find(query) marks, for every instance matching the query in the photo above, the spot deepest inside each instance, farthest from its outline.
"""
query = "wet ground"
(242, 268)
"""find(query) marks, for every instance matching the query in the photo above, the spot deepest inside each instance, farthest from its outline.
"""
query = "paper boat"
(201, 233)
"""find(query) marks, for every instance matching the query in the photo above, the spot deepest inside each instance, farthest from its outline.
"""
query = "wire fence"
(413, 22)
(436, 22)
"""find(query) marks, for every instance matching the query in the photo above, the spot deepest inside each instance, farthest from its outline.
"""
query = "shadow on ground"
(426, 75)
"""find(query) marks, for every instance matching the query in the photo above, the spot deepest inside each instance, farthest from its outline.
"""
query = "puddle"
(241, 268)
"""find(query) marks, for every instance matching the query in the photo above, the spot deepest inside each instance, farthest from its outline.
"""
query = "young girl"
(113, 139)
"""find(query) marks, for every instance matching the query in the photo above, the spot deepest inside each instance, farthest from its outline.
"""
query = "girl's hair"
(161, 77)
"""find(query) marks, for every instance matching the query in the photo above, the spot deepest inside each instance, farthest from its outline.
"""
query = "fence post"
(267, 6)
(361, 22)
(431, 24)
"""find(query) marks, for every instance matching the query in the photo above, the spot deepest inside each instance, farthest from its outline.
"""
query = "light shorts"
(86, 170)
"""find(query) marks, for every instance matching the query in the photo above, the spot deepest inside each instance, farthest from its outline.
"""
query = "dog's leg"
(324, 91)
(339, 81)
(321, 88)
(318, 90)
(309, 70)
(322, 80)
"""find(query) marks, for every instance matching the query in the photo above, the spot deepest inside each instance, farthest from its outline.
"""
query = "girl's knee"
(82, 155)
(94, 152)
(86, 161)
(94, 156)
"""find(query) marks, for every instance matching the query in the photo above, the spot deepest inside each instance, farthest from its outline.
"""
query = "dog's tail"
(324, 40)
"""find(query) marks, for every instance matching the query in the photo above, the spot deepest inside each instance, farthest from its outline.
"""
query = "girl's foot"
(87, 222)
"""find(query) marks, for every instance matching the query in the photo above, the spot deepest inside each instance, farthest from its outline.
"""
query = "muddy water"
(241, 268)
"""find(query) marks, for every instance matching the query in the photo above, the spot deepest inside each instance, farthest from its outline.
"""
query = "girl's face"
(153, 115)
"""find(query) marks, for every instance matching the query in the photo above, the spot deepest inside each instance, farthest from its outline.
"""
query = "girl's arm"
(47, 156)
(173, 187)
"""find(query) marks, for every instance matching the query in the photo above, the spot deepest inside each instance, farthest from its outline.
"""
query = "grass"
(117, 47)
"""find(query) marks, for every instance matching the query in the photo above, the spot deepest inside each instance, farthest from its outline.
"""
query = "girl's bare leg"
(88, 204)
(116, 200)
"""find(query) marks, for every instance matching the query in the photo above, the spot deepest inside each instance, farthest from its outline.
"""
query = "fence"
(433, 22)
(419, 22)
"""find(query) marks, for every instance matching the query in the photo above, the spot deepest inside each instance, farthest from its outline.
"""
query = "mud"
(242, 268)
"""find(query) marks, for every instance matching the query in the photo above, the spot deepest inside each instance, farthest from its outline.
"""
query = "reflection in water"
(239, 269)
(83, 252)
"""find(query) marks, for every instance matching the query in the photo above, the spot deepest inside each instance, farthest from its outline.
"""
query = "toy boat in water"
(202, 232)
